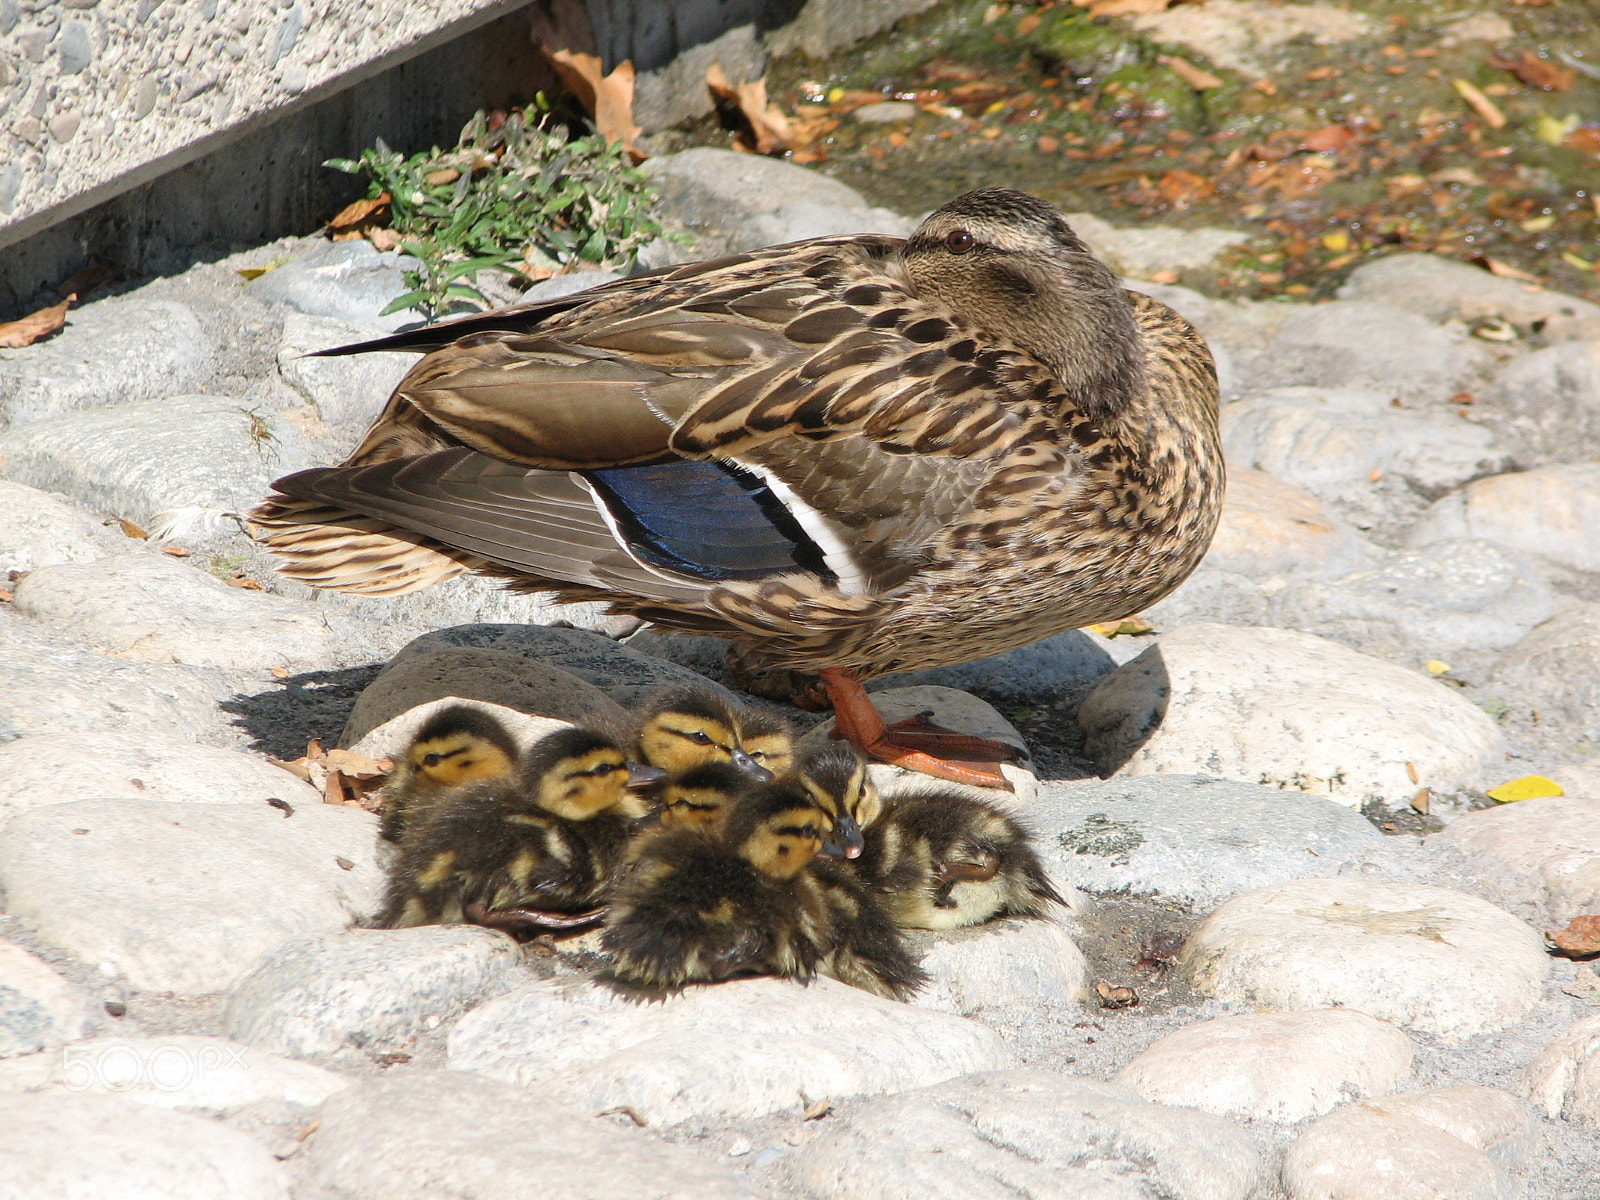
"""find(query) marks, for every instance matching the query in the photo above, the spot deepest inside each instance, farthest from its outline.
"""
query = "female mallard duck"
(532, 853)
(686, 727)
(851, 455)
(702, 904)
(457, 747)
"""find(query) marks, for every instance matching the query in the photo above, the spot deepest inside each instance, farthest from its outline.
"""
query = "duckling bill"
(850, 456)
(683, 728)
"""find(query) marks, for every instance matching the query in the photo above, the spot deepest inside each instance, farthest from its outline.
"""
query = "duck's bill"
(642, 775)
(751, 767)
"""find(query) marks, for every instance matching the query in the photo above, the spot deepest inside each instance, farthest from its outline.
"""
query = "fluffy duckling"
(701, 798)
(535, 852)
(457, 747)
(865, 948)
(686, 727)
(835, 776)
(942, 861)
(698, 908)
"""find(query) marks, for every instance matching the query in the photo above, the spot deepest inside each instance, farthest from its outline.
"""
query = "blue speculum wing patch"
(706, 520)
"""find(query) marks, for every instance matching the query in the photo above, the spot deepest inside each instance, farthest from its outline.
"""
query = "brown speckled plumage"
(989, 440)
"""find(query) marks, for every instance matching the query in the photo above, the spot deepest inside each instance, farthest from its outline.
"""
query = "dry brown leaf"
(1579, 939)
(14, 335)
(1330, 139)
(280, 672)
(129, 529)
(442, 176)
(6, 597)
(176, 551)
(1185, 70)
(769, 130)
(243, 581)
(1536, 72)
(384, 239)
(81, 283)
(358, 765)
(608, 99)
(1507, 271)
(1123, 8)
(1029, 23)
(1480, 103)
(1321, 73)
(1181, 188)
(353, 217)
(1587, 139)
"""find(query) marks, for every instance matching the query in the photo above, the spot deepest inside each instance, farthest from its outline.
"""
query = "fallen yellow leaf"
(1480, 103)
(1437, 667)
(1527, 787)
(1553, 132)
(1338, 241)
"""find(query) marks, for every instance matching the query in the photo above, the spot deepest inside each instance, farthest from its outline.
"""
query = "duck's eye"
(700, 738)
(959, 241)
(432, 760)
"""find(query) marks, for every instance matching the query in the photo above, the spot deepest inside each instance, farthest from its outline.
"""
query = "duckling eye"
(959, 241)
(432, 760)
(700, 738)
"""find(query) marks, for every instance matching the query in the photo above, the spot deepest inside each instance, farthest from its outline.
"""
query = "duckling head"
(688, 727)
(1008, 262)
(836, 779)
(767, 739)
(578, 774)
(701, 798)
(459, 745)
(777, 830)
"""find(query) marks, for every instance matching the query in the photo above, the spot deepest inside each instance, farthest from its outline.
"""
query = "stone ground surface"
(1333, 936)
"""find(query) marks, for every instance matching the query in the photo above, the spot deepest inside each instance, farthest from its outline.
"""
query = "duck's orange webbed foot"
(915, 743)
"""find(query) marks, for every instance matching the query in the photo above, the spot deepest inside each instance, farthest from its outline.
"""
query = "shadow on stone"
(314, 704)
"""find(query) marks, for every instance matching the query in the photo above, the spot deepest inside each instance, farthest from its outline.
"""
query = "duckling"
(534, 852)
(685, 727)
(698, 907)
(836, 777)
(865, 949)
(701, 798)
(457, 747)
(942, 861)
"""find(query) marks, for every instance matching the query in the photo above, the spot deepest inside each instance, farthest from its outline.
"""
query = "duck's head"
(1009, 263)
(579, 774)
(702, 798)
(460, 745)
(686, 728)
(836, 779)
(777, 829)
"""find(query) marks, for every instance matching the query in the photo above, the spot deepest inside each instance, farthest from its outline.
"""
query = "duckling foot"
(529, 922)
(950, 874)
(916, 743)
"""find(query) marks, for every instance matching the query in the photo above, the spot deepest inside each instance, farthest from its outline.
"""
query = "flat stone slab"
(1550, 511)
(78, 691)
(1029, 1133)
(1424, 958)
(423, 1134)
(1442, 289)
(351, 282)
(343, 997)
(1193, 839)
(1564, 1081)
(1544, 853)
(184, 897)
(73, 1147)
(1271, 527)
(723, 1052)
(500, 677)
(39, 530)
(1287, 710)
(110, 352)
(57, 768)
(1556, 669)
(208, 1075)
(1272, 1066)
(1007, 961)
(39, 1008)
(150, 606)
(1367, 344)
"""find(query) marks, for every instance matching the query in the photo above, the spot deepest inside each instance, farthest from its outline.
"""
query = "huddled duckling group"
(700, 842)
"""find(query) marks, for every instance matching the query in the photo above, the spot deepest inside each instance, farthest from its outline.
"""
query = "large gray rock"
(1332, 441)
(38, 530)
(57, 768)
(1449, 596)
(1538, 856)
(1272, 1066)
(1030, 1133)
(70, 1147)
(342, 997)
(200, 890)
(350, 281)
(426, 1134)
(1424, 958)
(1008, 961)
(207, 1075)
(1564, 1081)
(153, 607)
(1193, 840)
(625, 675)
(39, 1009)
(502, 677)
(349, 392)
(77, 691)
(1548, 511)
(112, 351)
(1271, 527)
(1288, 710)
(723, 1052)
(191, 459)
(747, 201)
(1556, 670)
(1142, 252)
(1549, 401)
(1443, 289)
